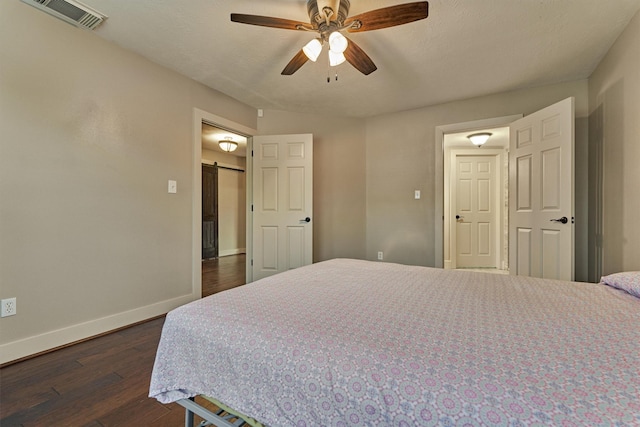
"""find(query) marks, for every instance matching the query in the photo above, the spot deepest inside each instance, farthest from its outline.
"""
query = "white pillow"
(627, 281)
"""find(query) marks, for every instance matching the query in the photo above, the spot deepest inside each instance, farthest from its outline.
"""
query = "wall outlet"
(380, 256)
(8, 307)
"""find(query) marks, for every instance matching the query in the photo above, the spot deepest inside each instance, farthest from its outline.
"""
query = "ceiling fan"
(329, 18)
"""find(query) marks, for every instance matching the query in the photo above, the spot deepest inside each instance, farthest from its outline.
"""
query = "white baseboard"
(228, 252)
(49, 340)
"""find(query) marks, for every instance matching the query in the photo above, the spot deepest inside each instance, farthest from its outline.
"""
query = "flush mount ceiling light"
(227, 144)
(478, 139)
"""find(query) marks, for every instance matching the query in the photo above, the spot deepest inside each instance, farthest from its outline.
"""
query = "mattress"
(351, 342)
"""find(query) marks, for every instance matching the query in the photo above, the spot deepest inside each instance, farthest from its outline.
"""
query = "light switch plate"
(416, 194)
(173, 186)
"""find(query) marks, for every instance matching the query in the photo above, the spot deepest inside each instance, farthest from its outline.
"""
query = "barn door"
(541, 201)
(209, 212)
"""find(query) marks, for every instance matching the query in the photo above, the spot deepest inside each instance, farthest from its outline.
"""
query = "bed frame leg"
(188, 416)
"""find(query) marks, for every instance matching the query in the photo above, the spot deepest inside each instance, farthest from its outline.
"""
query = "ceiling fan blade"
(268, 21)
(295, 63)
(359, 59)
(389, 16)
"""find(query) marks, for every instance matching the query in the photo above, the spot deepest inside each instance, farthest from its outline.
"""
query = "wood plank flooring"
(103, 381)
(223, 273)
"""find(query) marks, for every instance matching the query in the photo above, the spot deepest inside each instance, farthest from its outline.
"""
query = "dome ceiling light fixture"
(479, 139)
(227, 144)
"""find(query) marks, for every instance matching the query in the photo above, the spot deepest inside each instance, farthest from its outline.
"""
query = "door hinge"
(251, 153)
(251, 262)
(251, 208)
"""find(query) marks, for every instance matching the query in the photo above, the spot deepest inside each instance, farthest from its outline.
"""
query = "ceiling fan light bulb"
(478, 139)
(337, 42)
(336, 58)
(313, 49)
(227, 145)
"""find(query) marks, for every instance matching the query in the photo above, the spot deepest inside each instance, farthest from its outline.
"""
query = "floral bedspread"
(349, 342)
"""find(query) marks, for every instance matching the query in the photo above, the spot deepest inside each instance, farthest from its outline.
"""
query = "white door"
(282, 203)
(541, 186)
(475, 212)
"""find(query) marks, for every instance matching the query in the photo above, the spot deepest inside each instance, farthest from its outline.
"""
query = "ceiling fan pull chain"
(336, 76)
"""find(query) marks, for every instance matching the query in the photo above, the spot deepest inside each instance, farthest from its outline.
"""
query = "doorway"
(476, 201)
(201, 117)
(223, 209)
(456, 135)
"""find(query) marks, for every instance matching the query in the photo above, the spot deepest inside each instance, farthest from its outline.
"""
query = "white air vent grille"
(70, 11)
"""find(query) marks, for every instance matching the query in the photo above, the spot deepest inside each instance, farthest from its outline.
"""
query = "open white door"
(282, 203)
(541, 200)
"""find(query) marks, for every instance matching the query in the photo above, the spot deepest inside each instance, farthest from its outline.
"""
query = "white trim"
(200, 116)
(439, 169)
(49, 340)
(229, 252)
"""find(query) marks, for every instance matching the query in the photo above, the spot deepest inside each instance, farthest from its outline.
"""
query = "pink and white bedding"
(348, 342)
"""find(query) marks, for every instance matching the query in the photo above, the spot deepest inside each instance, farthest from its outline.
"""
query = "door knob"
(563, 220)
(307, 219)
(459, 217)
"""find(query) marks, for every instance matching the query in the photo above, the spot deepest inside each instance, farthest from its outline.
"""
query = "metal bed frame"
(221, 418)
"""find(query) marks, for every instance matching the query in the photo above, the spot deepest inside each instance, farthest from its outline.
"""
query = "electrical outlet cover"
(8, 307)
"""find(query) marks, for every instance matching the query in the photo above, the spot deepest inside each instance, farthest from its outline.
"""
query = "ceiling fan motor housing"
(321, 11)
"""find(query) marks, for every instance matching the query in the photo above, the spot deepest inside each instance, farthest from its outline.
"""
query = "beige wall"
(90, 240)
(614, 105)
(338, 179)
(402, 146)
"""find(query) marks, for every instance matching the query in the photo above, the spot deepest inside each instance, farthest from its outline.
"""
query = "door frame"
(497, 156)
(200, 116)
(441, 131)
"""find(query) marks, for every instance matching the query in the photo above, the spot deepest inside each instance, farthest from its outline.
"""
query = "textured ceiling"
(465, 48)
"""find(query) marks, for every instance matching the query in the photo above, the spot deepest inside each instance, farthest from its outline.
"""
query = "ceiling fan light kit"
(313, 49)
(329, 18)
(337, 42)
(336, 58)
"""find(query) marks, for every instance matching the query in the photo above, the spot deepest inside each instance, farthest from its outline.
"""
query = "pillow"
(628, 281)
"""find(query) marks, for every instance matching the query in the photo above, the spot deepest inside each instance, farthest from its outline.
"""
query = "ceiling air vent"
(70, 11)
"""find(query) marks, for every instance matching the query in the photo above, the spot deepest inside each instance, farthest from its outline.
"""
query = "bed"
(350, 342)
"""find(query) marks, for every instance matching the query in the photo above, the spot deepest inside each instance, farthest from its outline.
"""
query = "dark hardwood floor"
(103, 381)
(223, 273)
